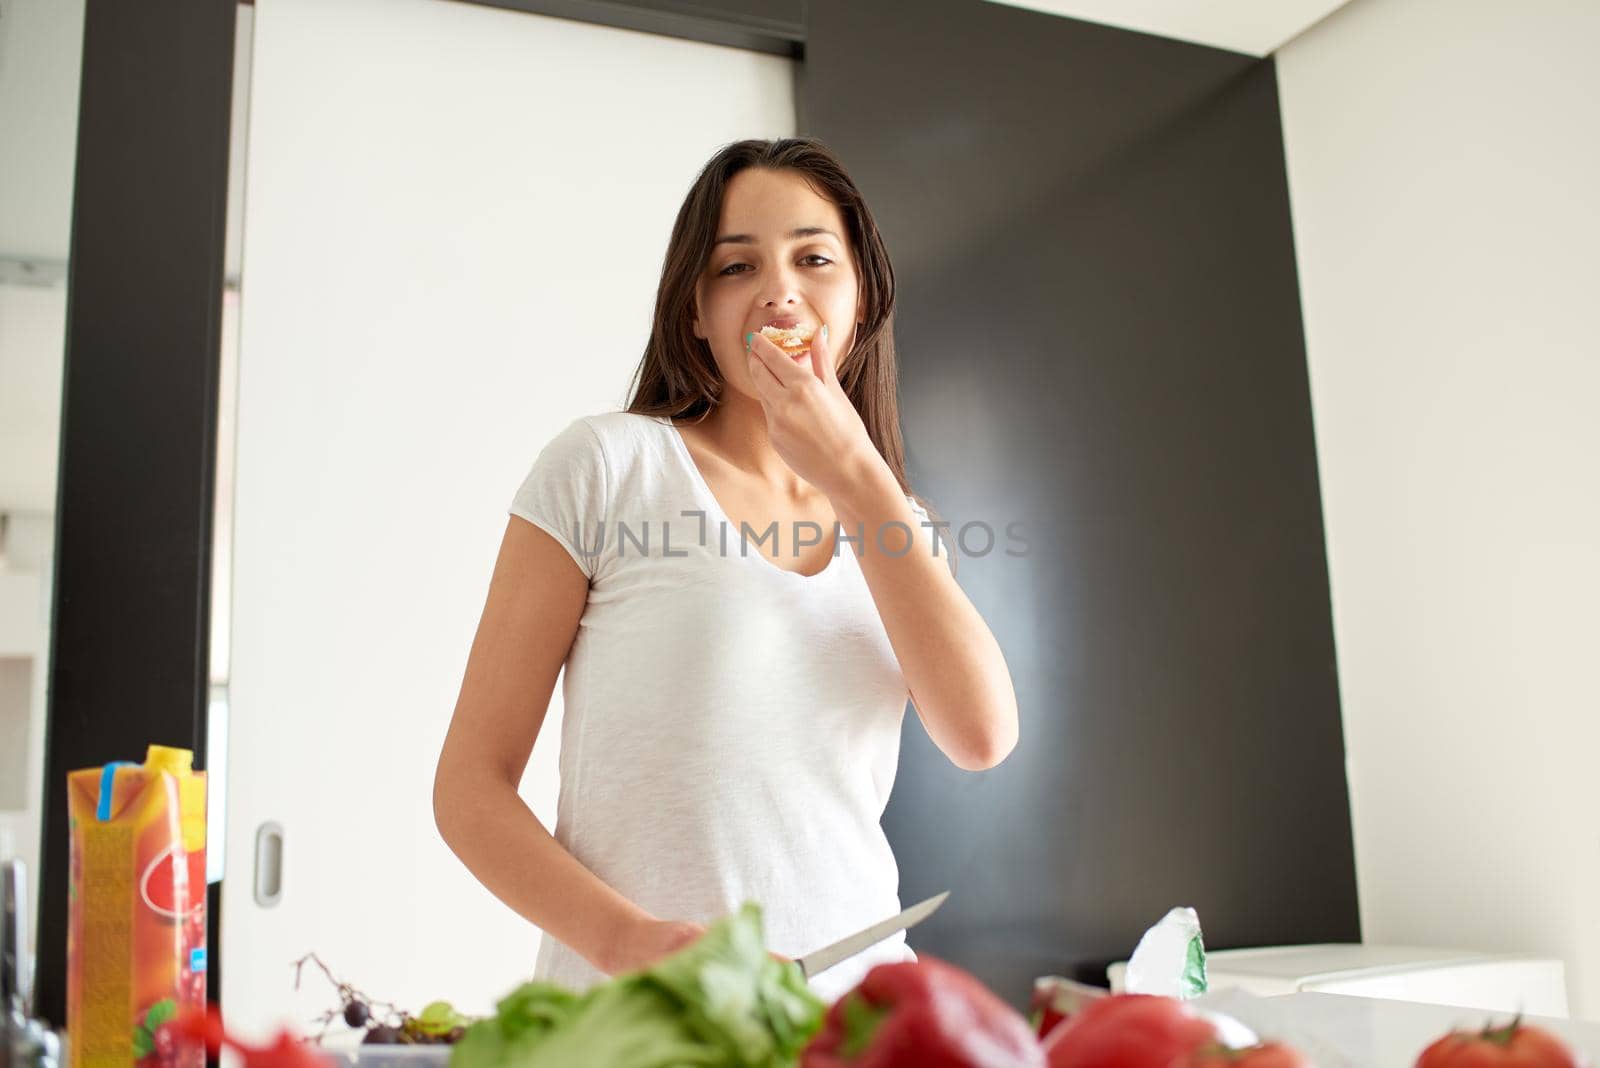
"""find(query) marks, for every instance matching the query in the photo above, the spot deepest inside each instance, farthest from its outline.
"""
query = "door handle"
(269, 864)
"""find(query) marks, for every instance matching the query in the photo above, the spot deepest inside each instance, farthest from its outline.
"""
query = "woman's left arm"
(957, 675)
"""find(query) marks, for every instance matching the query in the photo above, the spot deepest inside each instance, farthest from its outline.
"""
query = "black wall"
(131, 620)
(1100, 335)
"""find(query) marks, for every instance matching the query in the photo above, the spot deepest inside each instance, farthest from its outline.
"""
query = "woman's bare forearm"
(487, 824)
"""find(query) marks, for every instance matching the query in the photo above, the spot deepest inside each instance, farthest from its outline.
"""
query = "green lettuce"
(720, 1003)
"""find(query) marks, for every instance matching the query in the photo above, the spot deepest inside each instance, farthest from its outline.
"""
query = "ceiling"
(1256, 27)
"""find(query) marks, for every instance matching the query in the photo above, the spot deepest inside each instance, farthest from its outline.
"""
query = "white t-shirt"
(731, 729)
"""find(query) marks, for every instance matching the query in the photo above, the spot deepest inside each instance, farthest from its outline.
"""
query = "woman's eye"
(729, 269)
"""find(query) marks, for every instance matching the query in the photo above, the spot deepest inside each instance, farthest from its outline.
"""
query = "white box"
(1506, 983)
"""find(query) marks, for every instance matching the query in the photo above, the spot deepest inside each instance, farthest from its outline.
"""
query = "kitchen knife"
(823, 959)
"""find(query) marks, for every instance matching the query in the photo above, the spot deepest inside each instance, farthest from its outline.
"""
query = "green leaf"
(160, 1013)
(721, 1002)
(861, 1022)
(144, 1043)
(628, 1023)
(758, 1010)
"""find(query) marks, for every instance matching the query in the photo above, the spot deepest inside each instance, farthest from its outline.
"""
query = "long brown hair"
(678, 377)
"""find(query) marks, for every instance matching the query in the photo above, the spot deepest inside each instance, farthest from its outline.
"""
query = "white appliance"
(1494, 982)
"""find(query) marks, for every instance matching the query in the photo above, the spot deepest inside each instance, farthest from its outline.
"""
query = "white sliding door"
(455, 217)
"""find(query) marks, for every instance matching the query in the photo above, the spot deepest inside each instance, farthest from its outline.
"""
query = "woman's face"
(773, 273)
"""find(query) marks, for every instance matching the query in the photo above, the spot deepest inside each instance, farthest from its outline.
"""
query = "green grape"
(439, 1018)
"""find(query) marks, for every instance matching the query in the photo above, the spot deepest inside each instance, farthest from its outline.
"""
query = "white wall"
(32, 334)
(41, 54)
(1443, 159)
(33, 330)
(26, 573)
(32, 337)
(41, 46)
(455, 218)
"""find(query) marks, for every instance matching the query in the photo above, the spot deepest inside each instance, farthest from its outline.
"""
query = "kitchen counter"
(1340, 1031)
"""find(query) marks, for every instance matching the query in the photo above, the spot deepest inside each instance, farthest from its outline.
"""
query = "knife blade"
(822, 959)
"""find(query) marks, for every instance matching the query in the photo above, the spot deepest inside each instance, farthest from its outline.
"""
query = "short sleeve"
(565, 493)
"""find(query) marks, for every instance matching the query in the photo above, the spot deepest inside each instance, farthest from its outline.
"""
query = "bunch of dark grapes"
(385, 1024)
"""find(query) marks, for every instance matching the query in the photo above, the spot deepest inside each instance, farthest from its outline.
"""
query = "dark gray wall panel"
(138, 417)
(1100, 336)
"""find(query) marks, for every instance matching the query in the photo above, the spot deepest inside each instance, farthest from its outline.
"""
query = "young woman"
(744, 595)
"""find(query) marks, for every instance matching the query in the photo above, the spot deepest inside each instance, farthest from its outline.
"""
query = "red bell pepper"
(1128, 1031)
(285, 1051)
(922, 1014)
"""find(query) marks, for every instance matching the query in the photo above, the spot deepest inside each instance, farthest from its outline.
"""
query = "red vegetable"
(1128, 1031)
(1056, 998)
(1516, 1045)
(1047, 1017)
(286, 1051)
(1267, 1055)
(922, 1014)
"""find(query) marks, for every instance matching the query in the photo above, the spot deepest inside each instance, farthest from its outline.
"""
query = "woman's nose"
(780, 287)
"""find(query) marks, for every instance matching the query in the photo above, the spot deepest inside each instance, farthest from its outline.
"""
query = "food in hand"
(926, 1013)
(1128, 1031)
(1515, 1045)
(794, 340)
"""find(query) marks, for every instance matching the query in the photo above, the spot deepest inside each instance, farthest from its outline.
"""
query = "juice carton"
(136, 912)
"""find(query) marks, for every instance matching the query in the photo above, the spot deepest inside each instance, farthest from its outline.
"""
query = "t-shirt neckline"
(713, 507)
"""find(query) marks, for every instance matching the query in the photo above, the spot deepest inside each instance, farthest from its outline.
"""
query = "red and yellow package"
(136, 912)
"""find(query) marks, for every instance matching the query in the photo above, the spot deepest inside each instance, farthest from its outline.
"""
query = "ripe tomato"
(1267, 1055)
(1517, 1045)
(1127, 1031)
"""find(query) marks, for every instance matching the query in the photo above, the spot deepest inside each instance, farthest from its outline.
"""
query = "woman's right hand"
(643, 944)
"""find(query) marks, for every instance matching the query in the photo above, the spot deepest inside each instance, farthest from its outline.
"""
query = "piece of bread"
(794, 340)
